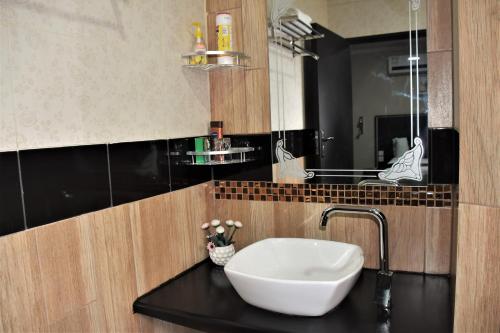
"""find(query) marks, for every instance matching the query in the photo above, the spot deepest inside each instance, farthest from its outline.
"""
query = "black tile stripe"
(11, 211)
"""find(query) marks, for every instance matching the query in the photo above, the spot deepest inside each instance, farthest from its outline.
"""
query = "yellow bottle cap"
(197, 31)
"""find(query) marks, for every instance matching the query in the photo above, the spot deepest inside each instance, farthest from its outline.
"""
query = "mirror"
(348, 91)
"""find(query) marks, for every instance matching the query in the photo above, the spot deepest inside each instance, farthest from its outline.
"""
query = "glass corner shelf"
(226, 156)
(212, 64)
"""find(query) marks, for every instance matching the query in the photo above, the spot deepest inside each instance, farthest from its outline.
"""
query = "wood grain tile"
(438, 232)
(156, 248)
(477, 298)
(359, 230)
(440, 89)
(66, 266)
(241, 98)
(257, 218)
(20, 280)
(290, 219)
(114, 268)
(258, 114)
(312, 215)
(439, 29)
(80, 320)
(254, 17)
(479, 100)
(406, 237)
(192, 207)
(213, 6)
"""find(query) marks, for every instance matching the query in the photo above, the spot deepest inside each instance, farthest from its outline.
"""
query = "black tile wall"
(11, 211)
(60, 183)
(182, 173)
(138, 170)
(259, 169)
(443, 156)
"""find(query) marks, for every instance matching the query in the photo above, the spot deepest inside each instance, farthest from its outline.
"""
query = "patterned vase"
(221, 255)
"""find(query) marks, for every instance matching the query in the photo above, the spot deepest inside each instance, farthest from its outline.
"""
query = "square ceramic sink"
(295, 276)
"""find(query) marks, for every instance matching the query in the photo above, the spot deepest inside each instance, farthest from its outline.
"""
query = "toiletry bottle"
(216, 127)
(224, 22)
(199, 46)
(216, 135)
(199, 146)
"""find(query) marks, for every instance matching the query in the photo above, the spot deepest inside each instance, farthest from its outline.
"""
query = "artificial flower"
(205, 226)
(229, 223)
(215, 223)
(210, 246)
(238, 224)
(220, 230)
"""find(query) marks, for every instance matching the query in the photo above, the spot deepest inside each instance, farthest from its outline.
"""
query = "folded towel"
(300, 15)
(303, 17)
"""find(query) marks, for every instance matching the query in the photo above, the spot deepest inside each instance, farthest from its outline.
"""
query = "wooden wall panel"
(407, 229)
(213, 6)
(227, 88)
(80, 320)
(83, 274)
(153, 237)
(440, 65)
(257, 116)
(20, 280)
(406, 237)
(440, 83)
(479, 101)
(359, 230)
(191, 208)
(477, 288)
(254, 17)
(114, 268)
(438, 233)
(257, 219)
(165, 225)
(241, 98)
(66, 265)
(477, 298)
(439, 28)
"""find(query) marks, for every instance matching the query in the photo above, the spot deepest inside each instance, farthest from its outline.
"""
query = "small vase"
(221, 255)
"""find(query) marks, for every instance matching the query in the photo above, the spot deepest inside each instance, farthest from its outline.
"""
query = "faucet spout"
(381, 222)
(383, 288)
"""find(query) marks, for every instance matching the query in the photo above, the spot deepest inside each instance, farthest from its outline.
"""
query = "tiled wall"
(83, 274)
(41, 186)
(428, 196)
(419, 236)
(89, 72)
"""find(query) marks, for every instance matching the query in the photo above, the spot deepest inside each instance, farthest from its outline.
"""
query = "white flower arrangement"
(216, 233)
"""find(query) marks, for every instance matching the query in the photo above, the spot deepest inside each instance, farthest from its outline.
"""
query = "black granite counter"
(202, 298)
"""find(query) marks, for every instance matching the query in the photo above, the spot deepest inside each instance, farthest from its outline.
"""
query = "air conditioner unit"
(400, 65)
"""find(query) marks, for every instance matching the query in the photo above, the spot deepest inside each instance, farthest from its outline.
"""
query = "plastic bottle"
(224, 23)
(199, 46)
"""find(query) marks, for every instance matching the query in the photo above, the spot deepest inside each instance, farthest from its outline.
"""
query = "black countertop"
(202, 298)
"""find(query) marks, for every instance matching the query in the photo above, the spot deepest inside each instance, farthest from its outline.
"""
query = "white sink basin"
(295, 276)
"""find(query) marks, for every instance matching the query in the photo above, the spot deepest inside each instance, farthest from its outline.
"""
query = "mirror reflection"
(348, 103)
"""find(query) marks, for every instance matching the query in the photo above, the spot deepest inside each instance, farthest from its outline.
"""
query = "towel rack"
(290, 31)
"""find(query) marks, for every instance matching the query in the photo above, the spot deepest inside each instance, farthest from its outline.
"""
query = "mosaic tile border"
(428, 196)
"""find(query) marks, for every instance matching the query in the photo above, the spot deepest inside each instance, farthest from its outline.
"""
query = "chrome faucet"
(383, 288)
